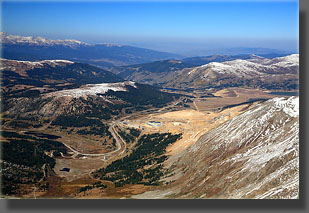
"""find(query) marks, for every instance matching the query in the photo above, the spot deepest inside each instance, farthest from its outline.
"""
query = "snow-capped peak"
(257, 67)
(292, 58)
(15, 39)
(282, 61)
(238, 67)
(57, 61)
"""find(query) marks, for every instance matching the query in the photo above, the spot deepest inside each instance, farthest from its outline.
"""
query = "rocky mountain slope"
(105, 55)
(253, 155)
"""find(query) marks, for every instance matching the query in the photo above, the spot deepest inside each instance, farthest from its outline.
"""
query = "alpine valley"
(83, 120)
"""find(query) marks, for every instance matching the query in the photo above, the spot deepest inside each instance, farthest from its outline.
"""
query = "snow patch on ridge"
(7, 64)
(289, 106)
(93, 89)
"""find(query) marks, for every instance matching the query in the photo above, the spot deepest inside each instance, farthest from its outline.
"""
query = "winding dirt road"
(121, 146)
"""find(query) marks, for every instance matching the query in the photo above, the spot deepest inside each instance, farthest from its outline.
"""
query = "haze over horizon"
(186, 28)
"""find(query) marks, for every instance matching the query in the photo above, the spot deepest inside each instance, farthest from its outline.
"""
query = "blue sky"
(168, 26)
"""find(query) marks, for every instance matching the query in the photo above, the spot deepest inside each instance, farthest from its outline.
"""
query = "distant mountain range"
(276, 73)
(66, 62)
(159, 72)
(258, 72)
(110, 55)
(104, 55)
(201, 60)
(217, 71)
